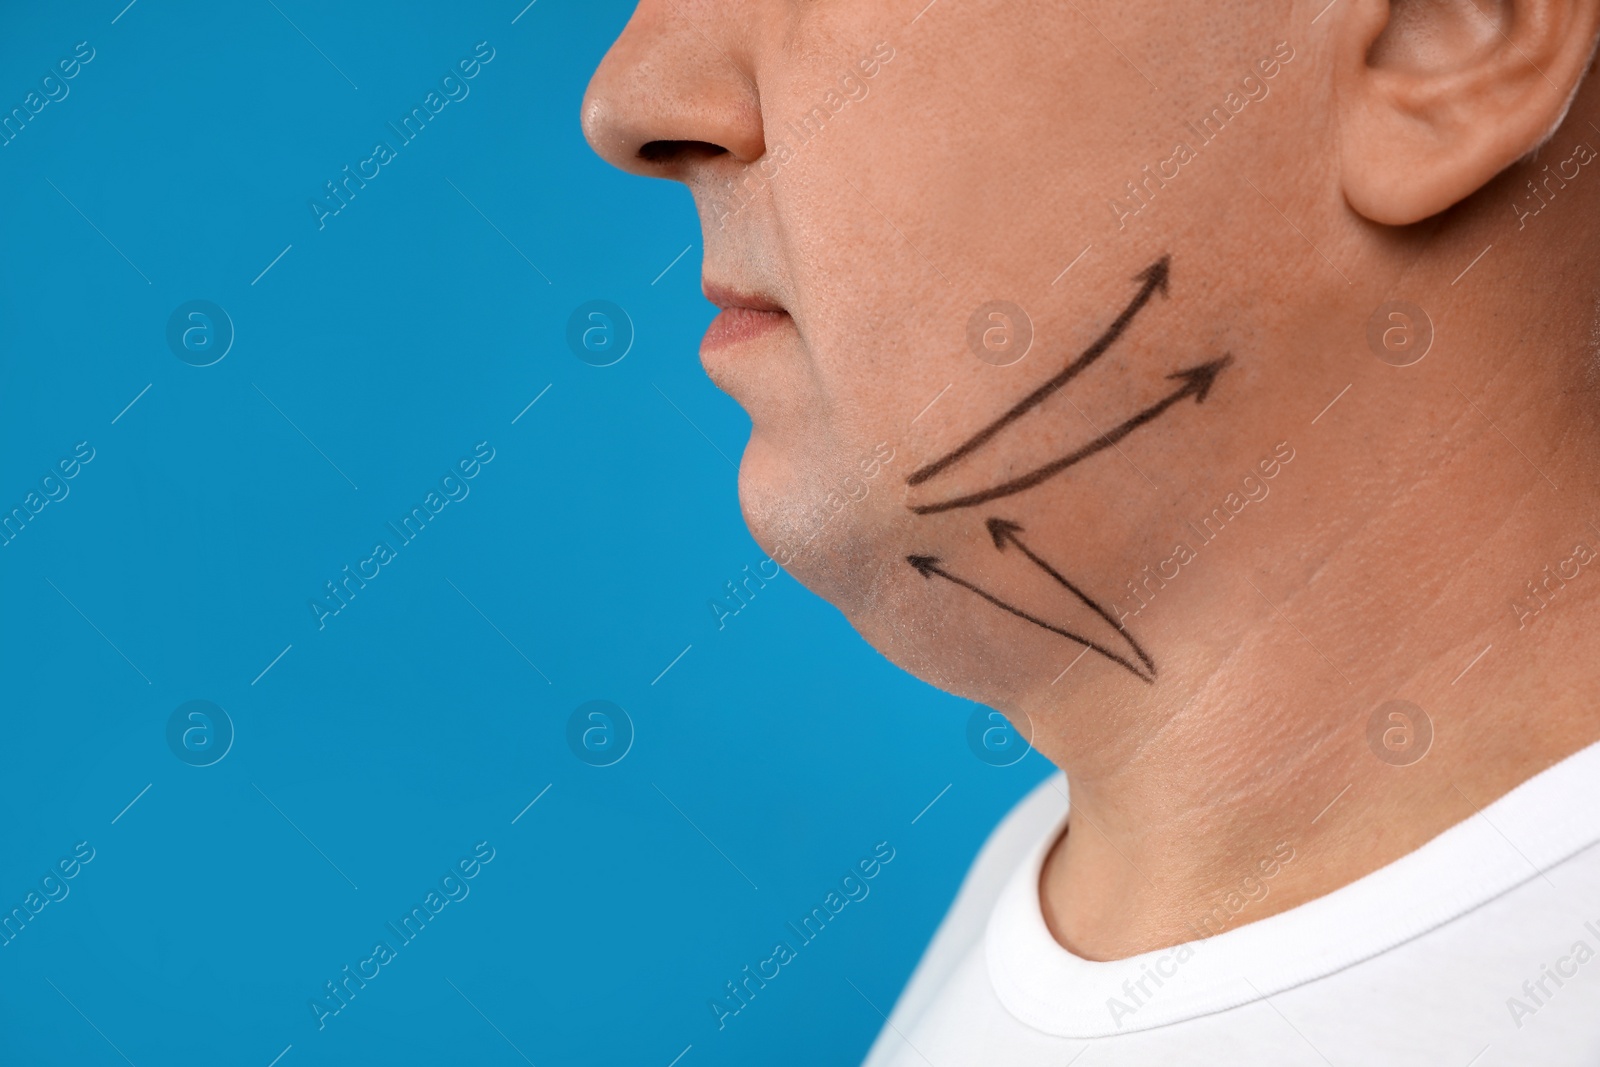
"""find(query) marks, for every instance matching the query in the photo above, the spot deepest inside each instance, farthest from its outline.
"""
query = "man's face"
(897, 199)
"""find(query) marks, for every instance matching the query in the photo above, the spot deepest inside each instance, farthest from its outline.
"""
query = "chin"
(847, 543)
(825, 514)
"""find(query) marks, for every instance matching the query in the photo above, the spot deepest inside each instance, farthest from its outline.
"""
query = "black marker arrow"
(1197, 382)
(928, 566)
(1155, 280)
(1005, 533)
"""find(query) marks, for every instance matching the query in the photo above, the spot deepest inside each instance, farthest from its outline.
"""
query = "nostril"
(673, 151)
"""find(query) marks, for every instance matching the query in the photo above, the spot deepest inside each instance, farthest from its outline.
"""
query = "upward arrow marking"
(1005, 532)
(929, 566)
(1154, 278)
(1197, 382)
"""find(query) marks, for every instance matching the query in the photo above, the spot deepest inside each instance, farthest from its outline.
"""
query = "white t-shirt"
(1479, 949)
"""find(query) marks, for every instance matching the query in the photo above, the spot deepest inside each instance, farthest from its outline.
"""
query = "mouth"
(744, 317)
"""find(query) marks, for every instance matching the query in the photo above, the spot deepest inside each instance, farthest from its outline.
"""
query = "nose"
(676, 91)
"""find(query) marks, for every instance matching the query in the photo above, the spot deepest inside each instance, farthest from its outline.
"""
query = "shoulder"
(1035, 817)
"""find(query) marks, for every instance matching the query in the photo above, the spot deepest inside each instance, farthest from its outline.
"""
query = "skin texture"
(1372, 151)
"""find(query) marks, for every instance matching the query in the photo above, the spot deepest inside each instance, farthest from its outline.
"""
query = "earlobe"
(1436, 97)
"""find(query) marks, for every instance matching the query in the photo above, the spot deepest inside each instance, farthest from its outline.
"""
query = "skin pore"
(869, 176)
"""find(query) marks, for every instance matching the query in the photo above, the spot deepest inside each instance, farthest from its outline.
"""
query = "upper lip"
(726, 296)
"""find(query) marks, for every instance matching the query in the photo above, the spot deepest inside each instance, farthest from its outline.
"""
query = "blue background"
(372, 754)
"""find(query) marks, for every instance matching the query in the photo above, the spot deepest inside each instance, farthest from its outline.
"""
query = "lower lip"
(738, 324)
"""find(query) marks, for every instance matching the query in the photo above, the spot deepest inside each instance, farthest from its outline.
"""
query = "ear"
(1436, 97)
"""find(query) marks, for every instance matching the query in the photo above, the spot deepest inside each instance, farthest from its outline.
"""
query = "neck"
(1436, 541)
